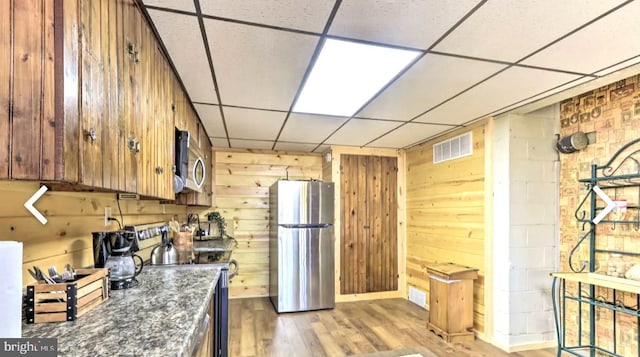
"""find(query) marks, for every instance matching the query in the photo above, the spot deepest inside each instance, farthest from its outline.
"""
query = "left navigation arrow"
(29, 204)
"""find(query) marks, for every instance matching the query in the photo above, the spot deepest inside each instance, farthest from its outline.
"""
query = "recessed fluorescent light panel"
(347, 74)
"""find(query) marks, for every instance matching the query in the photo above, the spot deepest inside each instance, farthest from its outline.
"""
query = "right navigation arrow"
(610, 205)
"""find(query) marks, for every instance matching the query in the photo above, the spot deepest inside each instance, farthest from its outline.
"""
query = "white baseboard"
(525, 346)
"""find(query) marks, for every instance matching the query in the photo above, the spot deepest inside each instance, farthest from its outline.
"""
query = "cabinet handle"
(159, 170)
(133, 53)
(91, 134)
(134, 145)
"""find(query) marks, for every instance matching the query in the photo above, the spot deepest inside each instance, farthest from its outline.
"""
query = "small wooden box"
(451, 301)
(67, 301)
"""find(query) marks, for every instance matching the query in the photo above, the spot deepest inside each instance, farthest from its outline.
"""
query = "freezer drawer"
(305, 270)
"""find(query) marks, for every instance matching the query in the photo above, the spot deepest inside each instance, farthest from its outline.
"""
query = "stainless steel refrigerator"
(301, 252)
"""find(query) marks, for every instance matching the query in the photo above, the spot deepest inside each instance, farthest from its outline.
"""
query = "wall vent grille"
(454, 148)
(417, 297)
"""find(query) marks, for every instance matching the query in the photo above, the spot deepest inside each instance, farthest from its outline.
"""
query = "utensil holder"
(67, 301)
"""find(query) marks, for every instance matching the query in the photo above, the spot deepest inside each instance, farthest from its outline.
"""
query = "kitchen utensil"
(39, 274)
(33, 274)
(53, 274)
(175, 226)
(68, 273)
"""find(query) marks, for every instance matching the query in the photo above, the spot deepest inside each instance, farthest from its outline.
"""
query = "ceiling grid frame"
(584, 78)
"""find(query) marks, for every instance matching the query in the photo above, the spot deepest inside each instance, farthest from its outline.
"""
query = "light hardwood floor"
(350, 329)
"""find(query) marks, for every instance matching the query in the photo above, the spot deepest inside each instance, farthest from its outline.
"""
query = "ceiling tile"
(622, 65)
(183, 5)
(508, 87)
(432, 80)
(258, 67)
(309, 128)
(358, 132)
(549, 93)
(409, 23)
(286, 146)
(253, 124)
(597, 46)
(294, 14)
(219, 142)
(181, 36)
(211, 119)
(510, 30)
(251, 144)
(408, 134)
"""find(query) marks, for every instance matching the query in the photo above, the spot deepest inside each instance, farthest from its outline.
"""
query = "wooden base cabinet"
(451, 301)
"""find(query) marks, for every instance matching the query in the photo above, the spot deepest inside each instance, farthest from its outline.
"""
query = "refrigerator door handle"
(305, 226)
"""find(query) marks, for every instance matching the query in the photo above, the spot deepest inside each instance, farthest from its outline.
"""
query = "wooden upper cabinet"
(90, 100)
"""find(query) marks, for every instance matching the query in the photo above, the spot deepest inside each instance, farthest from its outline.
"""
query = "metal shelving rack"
(621, 171)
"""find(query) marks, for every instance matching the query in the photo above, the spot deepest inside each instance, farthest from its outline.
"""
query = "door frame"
(333, 159)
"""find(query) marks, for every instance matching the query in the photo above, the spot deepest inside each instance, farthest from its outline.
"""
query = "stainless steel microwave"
(191, 171)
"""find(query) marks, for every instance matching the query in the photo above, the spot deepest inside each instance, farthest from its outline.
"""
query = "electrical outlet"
(107, 214)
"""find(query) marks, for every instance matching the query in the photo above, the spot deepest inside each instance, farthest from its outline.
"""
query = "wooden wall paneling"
(131, 36)
(26, 142)
(48, 123)
(6, 35)
(66, 238)
(241, 196)
(445, 206)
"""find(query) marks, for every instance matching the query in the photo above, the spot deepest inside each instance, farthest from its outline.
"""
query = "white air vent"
(459, 146)
(417, 297)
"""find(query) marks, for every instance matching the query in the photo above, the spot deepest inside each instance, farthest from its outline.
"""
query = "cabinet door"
(101, 105)
(129, 50)
(368, 252)
(27, 117)
(165, 132)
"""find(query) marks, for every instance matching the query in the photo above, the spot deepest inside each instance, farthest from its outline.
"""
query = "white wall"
(525, 227)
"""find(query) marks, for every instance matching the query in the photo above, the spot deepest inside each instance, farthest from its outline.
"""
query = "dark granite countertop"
(160, 317)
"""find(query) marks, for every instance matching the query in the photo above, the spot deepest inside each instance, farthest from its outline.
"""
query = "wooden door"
(368, 252)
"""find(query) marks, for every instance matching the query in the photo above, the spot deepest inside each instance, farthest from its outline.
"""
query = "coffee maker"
(114, 250)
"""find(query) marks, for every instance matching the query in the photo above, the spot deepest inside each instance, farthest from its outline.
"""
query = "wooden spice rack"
(67, 301)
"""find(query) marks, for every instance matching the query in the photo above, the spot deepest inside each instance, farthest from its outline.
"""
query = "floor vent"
(459, 146)
(417, 297)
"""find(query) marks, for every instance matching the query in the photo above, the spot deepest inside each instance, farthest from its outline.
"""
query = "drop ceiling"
(243, 62)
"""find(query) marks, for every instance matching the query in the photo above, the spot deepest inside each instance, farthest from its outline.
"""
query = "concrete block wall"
(525, 226)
